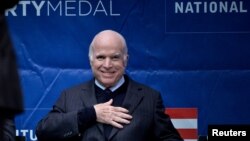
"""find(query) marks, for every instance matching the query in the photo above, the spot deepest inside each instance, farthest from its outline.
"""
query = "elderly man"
(111, 106)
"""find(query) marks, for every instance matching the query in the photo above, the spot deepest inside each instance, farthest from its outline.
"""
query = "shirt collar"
(113, 88)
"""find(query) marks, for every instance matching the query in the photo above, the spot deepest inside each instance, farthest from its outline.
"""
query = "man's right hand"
(108, 114)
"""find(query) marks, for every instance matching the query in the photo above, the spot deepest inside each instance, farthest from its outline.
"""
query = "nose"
(107, 63)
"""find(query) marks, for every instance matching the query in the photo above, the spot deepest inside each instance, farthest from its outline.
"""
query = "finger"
(116, 124)
(121, 120)
(120, 109)
(123, 115)
(108, 102)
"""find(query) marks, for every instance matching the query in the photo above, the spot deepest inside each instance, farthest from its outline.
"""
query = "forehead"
(108, 47)
(109, 50)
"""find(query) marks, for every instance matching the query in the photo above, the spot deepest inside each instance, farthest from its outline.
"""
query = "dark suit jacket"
(10, 91)
(7, 129)
(11, 102)
(149, 122)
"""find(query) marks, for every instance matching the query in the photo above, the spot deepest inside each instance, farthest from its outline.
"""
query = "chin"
(107, 82)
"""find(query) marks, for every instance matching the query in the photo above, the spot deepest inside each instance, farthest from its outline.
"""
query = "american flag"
(185, 121)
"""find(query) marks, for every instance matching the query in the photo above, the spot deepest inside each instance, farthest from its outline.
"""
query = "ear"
(126, 60)
(91, 62)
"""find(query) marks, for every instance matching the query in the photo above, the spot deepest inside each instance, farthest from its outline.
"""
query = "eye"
(100, 57)
(116, 57)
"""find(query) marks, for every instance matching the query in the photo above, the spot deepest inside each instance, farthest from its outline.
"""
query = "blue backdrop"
(196, 53)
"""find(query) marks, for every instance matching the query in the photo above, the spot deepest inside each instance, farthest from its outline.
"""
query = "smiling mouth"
(108, 74)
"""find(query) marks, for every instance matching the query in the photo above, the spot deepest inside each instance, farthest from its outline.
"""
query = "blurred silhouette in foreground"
(11, 102)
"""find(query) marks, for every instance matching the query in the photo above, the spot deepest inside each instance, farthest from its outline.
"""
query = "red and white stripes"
(185, 121)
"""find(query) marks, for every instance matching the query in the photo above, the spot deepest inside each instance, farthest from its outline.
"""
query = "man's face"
(109, 61)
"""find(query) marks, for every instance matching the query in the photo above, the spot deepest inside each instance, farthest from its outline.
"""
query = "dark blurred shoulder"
(6, 4)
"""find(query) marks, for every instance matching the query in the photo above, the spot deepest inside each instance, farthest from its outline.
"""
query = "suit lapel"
(132, 99)
(89, 99)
